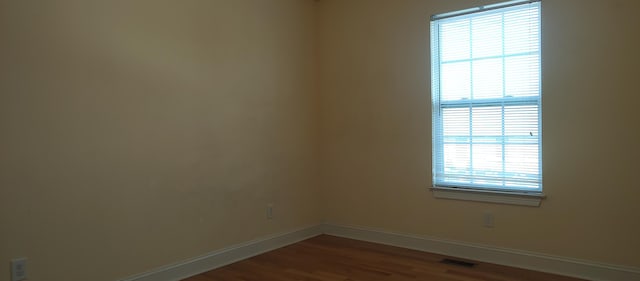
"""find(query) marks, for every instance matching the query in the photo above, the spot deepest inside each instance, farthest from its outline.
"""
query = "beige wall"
(376, 164)
(136, 134)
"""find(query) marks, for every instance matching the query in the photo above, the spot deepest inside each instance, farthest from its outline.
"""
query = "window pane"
(487, 158)
(455, 122)
(521, 159)
(457, 159)
(521, 165)
(487, 35)
(521, 121)
(521, 31)
(522, 75)
(455, 81)
(487, 78)
(487, 164)
(487, 122)
(455, 40)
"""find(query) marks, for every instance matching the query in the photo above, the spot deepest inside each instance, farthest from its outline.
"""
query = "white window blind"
(486, 89)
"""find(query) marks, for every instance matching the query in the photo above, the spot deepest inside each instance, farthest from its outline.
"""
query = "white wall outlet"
(487, 220)
(19, 269)
(270, 211)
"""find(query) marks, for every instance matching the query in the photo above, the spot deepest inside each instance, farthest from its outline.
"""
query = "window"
(486, 99)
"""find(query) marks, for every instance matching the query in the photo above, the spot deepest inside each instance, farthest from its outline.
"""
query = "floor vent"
(458, 263)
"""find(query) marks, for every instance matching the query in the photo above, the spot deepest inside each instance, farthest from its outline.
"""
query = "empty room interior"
(156, 140)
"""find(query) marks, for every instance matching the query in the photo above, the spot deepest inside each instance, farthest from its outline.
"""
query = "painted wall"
(375, 128)
(136, 134)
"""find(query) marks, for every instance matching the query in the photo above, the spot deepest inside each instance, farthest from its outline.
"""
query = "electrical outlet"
(487, 220)
(270, 211)
(19, 269)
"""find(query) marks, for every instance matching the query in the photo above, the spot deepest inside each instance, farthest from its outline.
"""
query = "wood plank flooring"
(330, 258)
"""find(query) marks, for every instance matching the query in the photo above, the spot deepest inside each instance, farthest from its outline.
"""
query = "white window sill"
(491, 196)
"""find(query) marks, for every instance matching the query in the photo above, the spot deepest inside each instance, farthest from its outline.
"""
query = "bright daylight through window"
(486, 90)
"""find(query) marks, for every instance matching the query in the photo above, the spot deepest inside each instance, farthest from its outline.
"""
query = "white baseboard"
(509, 257)
(226, 256)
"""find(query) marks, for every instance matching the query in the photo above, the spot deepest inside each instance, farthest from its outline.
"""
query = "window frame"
(517, 196)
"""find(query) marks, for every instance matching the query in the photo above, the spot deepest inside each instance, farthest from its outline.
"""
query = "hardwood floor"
(329, 258)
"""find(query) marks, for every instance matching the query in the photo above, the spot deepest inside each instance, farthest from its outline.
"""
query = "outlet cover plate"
(19, 269)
